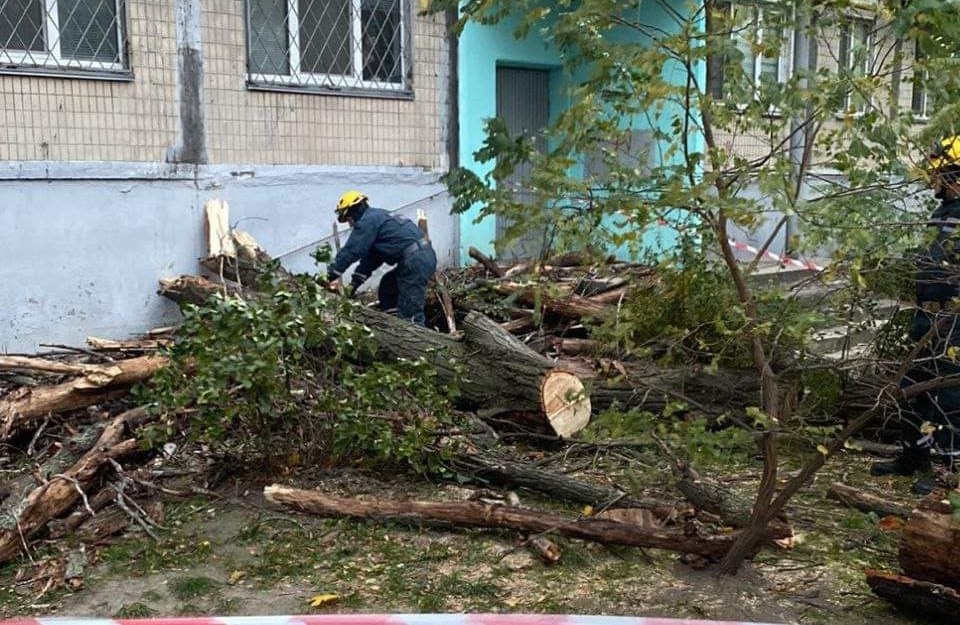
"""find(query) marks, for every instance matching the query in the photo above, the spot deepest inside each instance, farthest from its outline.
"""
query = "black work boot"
(908, 462)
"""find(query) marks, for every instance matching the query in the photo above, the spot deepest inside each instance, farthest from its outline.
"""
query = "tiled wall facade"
(69, 119)
(755, 143)
(245, 126)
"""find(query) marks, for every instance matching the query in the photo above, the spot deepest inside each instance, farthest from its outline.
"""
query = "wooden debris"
(60, 492)
(42, 365)
(922, 596)
(867, 502)
(27, 406)
(930, 548)
(473, 514)
(132, 345)
(486, 261)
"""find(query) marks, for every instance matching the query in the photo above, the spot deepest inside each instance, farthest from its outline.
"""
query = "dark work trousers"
(939, 409)
(403, 290)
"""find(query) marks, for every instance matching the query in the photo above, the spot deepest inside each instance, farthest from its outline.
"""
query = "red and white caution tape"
(784, 260)
(374, 619)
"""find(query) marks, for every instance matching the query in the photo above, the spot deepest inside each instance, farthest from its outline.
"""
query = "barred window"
(69, 36)
(328, 44)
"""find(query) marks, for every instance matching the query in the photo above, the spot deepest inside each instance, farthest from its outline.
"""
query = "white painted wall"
(82, 245)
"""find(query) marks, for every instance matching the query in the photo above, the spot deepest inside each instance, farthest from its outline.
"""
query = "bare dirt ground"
(237, 555)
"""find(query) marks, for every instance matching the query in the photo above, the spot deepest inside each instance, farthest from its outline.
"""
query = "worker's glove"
(335, 286)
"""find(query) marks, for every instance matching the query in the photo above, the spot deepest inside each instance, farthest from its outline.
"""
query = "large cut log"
(28, 405)
(23, 518)
(917, 595)
(476, 514)
(930, 547)
(493, 370)
(867, 502)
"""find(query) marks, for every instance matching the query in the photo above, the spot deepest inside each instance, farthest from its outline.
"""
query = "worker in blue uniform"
(380, 237)
(930, 428)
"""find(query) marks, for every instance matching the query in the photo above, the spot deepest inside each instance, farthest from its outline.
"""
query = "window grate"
(71, 36)
(329, 44)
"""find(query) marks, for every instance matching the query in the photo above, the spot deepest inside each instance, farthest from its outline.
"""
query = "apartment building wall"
(95, 207)
(894, 70)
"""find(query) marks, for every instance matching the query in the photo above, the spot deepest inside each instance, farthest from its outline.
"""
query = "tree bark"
(26, 406)
(610, 297)
(487, 262)
(524, 475)
(570, 306)
(475, 514)
(23, 518)
(10, 363)
(867, 502)
(930, 548)
(492, 369)
(906, 592)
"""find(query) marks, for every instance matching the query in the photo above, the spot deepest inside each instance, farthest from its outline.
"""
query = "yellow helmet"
(945, 154)
(347, 201)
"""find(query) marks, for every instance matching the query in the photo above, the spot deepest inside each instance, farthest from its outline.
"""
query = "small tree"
(829, 160)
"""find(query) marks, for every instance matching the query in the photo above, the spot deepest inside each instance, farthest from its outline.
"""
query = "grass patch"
(135, 610)
(186, 588)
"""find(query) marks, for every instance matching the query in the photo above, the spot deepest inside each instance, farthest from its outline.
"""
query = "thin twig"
(79, 350)
(36, 435)
(76, 485)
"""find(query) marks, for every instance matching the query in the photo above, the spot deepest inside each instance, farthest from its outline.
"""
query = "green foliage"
(288, 373)
(705, 443)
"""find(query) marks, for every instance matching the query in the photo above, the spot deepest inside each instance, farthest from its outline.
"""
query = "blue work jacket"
(378, 237)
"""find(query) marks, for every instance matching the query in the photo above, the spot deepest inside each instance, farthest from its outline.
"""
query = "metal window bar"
(83, 37)
(329, 44)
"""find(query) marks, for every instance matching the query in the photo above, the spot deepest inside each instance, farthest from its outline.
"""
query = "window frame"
(323, 83)
(918, 88)
(785, 60)
(847, 58)
(50, 62)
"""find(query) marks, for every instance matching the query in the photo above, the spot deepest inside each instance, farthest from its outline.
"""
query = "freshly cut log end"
(566, 403)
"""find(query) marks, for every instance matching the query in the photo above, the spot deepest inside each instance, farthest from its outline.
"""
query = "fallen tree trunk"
(913, 594)
(515, 474)
(930, 547)
(709, 393)
(60, 492)
(474, 514)
(26, 406)
(493, 370)
(867, 502)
